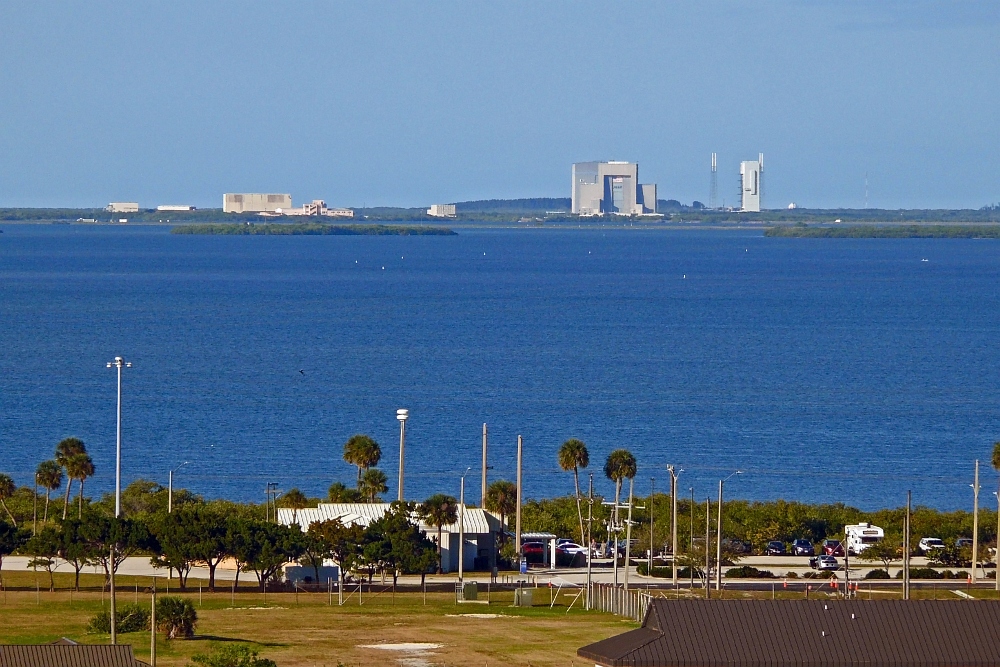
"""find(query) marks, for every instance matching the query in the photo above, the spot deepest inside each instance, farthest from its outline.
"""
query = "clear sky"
(393, 103)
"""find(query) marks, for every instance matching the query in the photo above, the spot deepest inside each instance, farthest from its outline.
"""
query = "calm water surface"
(827, 369)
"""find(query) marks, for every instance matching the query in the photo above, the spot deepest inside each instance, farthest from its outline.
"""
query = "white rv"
(861, 536)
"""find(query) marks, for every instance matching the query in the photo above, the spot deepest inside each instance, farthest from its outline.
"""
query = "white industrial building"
(255, 203)
(318, 207)
(442, 210)
(611, 187)
(122, 207)
(174, 207)
(751, 184)
(481, 529)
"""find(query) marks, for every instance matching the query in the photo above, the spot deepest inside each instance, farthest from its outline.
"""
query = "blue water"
(827, 370)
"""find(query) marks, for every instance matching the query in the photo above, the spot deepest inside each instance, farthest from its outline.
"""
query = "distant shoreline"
(310, 229)
(886, 232)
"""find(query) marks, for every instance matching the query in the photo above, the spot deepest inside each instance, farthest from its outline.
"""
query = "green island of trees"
(310, 229)
(886, 232)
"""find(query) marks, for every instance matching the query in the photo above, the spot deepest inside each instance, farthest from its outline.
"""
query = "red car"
(833, 548)
(533, 552)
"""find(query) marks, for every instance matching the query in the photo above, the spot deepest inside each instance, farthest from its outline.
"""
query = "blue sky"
(368, 103)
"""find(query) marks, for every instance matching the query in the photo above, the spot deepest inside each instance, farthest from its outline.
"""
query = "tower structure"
(751, 184)
(713, 192)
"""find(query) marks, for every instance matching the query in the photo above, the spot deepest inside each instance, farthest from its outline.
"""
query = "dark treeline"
(887, 232)
(310, 229)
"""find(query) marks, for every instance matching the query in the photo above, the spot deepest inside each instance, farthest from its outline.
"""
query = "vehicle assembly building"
(611, 187)
(254, 203)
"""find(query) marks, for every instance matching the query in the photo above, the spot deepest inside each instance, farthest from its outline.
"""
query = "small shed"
(549, 540)
(793, 633)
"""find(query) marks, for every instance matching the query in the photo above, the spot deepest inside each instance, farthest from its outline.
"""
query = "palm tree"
(360, 450)
(373, 483)
(620, 465)
(176, 616)
(296, 500)
(50, 476)
(80, 467)
(7, 489)
(65, 450)
(438, 510)
(573, 455)
(501, 497)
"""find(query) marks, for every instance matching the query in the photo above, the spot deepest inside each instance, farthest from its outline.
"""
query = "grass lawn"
(306, 630)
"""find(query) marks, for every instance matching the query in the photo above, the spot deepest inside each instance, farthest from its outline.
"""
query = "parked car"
(930, 543)
(775, 548)
(533, 552)
(833, 548)
(824, 562)
(803, 548)
(964, 542)
(571, 548)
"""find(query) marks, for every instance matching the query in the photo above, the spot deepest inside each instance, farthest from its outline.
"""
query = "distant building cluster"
(278, 204)
(318, 207)
(601, 188)
(441, 210)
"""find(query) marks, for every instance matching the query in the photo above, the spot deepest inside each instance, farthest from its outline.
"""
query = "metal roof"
(68, 655)
(477, 520)
(808, 633)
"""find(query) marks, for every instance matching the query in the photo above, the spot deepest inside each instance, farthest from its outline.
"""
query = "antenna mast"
(713, 193)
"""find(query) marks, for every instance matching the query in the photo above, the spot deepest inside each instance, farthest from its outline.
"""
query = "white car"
(824, 562)
(571, 548)
(930, 543)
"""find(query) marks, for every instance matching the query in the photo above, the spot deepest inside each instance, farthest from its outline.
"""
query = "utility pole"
(975, 523)
(517, 520)
(708, 548)
(673, 522)
(118, 363)
(485, 467)
(590, 541)
(906, 550)
(402, 415)
(652, 481)
(628, 530)
(152, 628)
(461, 530)
(691, 543)
(718, 544)
(34, 508)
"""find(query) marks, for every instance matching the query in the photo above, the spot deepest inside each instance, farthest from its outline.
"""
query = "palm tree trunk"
(440, 552)
(46, 517)
(579, 510)
(2, 502)
(80, 515)
(69, 485)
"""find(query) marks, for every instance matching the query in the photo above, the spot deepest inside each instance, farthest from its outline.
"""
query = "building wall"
(254, 202)
(609, 187)
(649, 197)
(750, 186)
(442, 210)
(123, 207)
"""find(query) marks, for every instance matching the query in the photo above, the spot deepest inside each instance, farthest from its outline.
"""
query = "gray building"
(751, 184)
(255, 203)
(611, 187)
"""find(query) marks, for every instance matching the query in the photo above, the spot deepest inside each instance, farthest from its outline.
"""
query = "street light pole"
(118, 363)
(517, 519)
(485, 467)
(673, 521)
(975, 523)
(461, 529)
(718, 541)
(590, 541)
(402, 415)
(652, 482)
(170, 488)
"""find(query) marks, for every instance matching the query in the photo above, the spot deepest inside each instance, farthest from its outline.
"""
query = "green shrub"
(791, 575)
(878, 574)
(176, 617)
(658, 571)
(819, 574)
(231, 655)
(748, 572)
(129, 618)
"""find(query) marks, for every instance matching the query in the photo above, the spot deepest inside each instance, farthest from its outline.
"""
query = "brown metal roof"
(808, 633)
(68, 655)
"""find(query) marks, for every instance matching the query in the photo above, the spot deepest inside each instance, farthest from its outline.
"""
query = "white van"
(861, 536)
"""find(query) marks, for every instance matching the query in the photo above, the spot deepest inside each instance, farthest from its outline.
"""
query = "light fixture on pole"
(674, 474)
(975, 523)
(461, 528)
(170, 487)
(119, 364)
(402, 415)
(718, 537)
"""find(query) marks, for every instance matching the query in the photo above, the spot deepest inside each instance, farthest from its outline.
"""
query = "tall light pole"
(718, 539)
(674, 474)
(590, 541)
(996, 555)
(402, 415)
(975, 523)
(170, 487)
(119, 364)
(485, 467)
(461, 528)
(652, 483)
(517, 520)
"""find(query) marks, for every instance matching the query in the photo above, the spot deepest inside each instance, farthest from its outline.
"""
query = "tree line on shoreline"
(82, 530)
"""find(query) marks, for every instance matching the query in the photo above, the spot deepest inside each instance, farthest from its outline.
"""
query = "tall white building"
(611, 187)
(751, 184)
